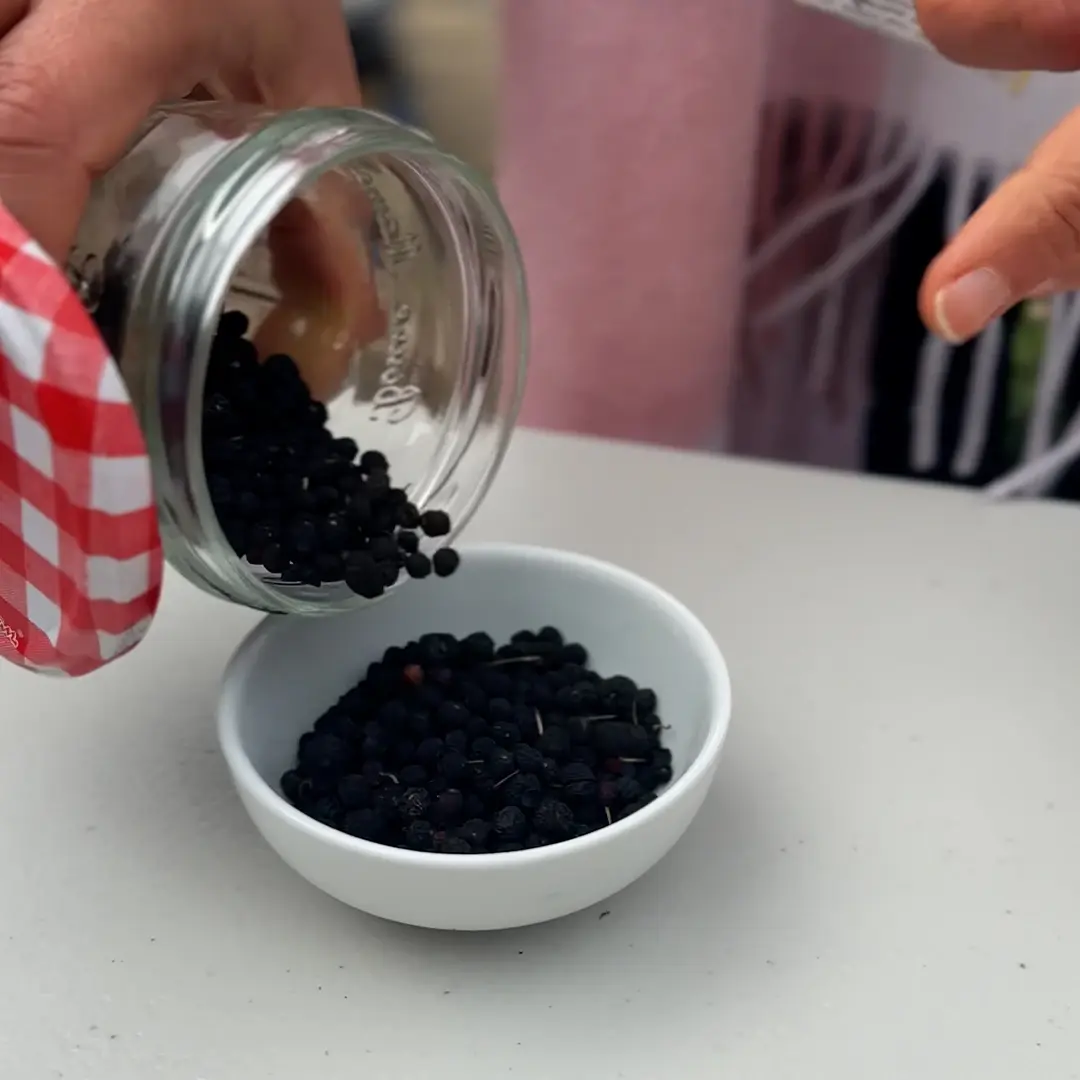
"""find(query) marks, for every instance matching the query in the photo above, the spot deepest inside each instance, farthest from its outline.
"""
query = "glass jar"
(176, 234)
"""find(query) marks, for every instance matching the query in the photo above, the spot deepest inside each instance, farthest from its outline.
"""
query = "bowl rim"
(718, 679)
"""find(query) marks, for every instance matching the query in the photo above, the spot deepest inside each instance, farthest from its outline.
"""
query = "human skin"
(78, 78)
(1025, 240)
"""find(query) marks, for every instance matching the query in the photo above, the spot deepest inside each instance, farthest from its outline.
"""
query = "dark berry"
(500, 711)
(501, 763)
(302, 535)
(445, 561)
(511, 824)
(420, 836)
(328, 567)
(528, 759)
(366, 824)
(457, 740)
(478, 648)
(506, 733)
(358, 510)
(373, 461)
(383, 548)
(452, 714)
(413, 775)
(553, 818)
(417, 565)
(354, 792)
(377, 486)
(477, 832)
(448, 806)
(453, 765)
(640, 804)
(620, 739)
(585, 755)
(387, 800)
(483, 747)
(325, 754)
(495, 683)
(477, 727)
(408, 542)
(437, 649)
(415, 803)
(325, 809)
(554, 743)
(408, 517)
(574, 654)
(233, 324)
(366, 583)
(291, 785)
(571, 699)
(524, 790)
(574, 773)
(645, 702)
(429, 751)
(435, 523)
(455, 845)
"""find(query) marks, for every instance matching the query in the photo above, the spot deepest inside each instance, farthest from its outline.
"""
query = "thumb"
(1024, 241)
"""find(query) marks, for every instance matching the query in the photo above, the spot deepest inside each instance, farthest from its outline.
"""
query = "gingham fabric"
(80, 552)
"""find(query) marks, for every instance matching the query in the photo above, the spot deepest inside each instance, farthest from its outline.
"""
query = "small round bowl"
(290, 670)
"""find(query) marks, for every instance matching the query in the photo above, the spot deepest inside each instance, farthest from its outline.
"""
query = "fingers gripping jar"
(343, 229)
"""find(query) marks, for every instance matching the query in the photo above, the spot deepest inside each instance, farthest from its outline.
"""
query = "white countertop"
(883, 884)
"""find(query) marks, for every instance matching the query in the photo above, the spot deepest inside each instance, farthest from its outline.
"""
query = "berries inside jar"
(456, 746)
(307, 507)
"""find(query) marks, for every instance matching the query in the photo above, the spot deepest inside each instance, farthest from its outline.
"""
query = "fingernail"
(1045, 290)
(969, 303)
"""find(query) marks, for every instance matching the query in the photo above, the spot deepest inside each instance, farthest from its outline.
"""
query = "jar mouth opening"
(432, 421)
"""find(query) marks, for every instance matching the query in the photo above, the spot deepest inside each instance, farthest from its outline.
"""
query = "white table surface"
(884, 882)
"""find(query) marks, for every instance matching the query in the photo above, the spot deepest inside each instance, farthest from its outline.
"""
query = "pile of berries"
(455, 746)
(292, 498)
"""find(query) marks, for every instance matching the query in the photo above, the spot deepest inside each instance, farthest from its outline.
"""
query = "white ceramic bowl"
(289, 670)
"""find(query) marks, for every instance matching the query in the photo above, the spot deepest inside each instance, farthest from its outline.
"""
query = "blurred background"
(787, 225)
(433, 62)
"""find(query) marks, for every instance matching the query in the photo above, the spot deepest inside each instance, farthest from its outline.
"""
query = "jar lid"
(80, 552)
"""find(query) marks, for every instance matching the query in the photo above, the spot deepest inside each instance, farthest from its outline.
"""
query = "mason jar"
(176, 234)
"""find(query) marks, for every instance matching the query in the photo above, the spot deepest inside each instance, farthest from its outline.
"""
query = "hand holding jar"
(79, 77)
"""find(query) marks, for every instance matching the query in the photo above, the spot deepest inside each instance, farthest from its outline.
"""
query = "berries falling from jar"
(291, 498)
(454, 746)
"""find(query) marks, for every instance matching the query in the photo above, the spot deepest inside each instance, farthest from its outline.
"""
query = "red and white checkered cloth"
(80, 552)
